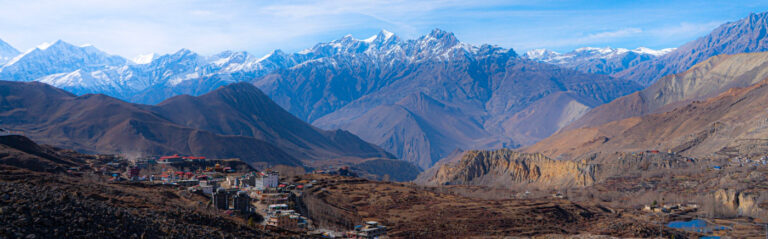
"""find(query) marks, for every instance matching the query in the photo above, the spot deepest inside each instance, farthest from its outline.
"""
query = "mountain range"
(351, 84)
(597, 60)
(724, 115)
(710, 114)
(704, 80)
(235, 121)
(742, 36)
(646, 66)
(713, 110)
(419, 99)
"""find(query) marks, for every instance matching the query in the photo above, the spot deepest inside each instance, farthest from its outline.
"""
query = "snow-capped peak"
(540, 54)
(145, 58)
(44, 45)
(387, 34)
(384, 35)
(603, 50)
(645, 50)
(274, 53)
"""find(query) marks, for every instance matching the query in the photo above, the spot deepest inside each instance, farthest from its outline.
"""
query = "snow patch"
(144, 59)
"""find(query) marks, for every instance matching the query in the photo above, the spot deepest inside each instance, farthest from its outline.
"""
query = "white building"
(267, 180)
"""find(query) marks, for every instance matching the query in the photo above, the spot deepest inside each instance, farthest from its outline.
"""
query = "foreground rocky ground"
(412, 211)
(41, 198)
(35, 205)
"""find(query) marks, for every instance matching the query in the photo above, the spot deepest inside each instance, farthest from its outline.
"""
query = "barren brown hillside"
(706, 79)
(733, 123)
(416, 212)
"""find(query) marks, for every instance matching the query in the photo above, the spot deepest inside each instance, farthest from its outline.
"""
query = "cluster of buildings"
(260, 192)
(243, 193)
(236, 200)
(176, 169)
(280, 215)
(672, 209)
(371, 229)
(745, 161)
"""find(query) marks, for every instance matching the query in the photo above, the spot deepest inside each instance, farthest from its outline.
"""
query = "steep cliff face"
(741, 203)
(504, 166)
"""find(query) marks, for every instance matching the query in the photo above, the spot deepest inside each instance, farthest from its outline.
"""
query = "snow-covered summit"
(57, 57)
(604, 60)
(86, 69)
(588, 53)
(145, 58)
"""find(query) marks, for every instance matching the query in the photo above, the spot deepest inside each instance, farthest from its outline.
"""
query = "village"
(233, 188)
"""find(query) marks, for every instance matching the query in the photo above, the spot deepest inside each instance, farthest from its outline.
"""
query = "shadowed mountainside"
(98, 123)
(243, 110)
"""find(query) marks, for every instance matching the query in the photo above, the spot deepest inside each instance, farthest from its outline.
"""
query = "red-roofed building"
(194, 158)
(171, 159)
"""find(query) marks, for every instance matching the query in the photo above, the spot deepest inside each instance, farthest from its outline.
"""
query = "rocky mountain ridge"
(98, 123)
(728, 125)
(596, 60)
(743, 36)
(706, 79)
(400, 103)
(7, 52)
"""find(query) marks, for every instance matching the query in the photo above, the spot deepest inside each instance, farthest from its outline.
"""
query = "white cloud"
(592, 39)
(685, 29)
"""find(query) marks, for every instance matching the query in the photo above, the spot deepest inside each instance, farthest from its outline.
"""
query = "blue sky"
(130, 28)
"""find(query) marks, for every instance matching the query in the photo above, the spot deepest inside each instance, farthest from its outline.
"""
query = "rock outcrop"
(739, 202)
(503, 167)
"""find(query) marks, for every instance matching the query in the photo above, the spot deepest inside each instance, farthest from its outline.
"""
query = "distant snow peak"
(645, 50)
(145, 58)
(44, 45)
(274, 53)
(383, 35)
(386, 34)
(87, 69)
(540, 54)
(586, 53)
(600, 60)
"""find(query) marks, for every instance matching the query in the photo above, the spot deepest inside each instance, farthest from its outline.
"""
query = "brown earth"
(235, 121)
(412, 211)
(504, 167)
(78, 205)
(730, 124)
(706, 79)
